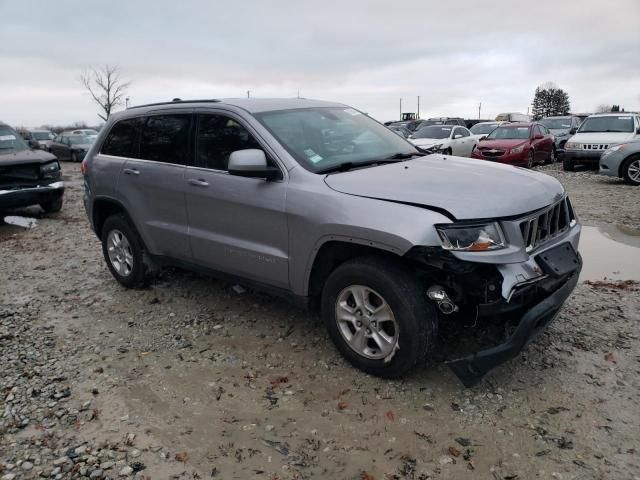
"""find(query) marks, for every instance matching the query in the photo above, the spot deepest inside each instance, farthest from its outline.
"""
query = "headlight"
(50, 167)
(471, 238)
(517, 149)
(572, 146)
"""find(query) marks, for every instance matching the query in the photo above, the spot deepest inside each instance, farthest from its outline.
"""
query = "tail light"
(83, 167)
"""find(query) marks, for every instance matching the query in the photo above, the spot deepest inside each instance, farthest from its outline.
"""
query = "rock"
(445, 460)
(61, 461)
(126, 471)
(27, 466)
(107, 465)
(97, 473)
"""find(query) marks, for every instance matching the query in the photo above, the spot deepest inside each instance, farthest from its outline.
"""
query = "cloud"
(366, 53)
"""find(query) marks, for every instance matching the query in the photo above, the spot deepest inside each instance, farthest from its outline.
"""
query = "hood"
(560, 131)
(503, 143)
(428, 142)
(467, 189)
(604, 137)
(26, 156)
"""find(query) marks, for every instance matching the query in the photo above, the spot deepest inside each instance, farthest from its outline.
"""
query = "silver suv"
(320, 203)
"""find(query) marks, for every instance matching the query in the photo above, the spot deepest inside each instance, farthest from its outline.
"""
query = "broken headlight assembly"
(50, 170)
(471, 238)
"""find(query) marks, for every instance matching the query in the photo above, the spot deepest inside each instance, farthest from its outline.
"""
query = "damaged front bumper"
(30, 195)
(471, 369)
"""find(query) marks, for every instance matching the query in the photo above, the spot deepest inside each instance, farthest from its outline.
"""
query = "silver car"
(622, 161)
(319, 203)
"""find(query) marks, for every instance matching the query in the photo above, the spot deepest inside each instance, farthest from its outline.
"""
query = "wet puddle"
(611, 252)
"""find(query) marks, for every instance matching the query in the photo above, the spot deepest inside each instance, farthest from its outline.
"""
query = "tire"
(448, 151)
(128, 266)
(567, 165)
(52, 206)
(530, 157)
(74, 157)
(631, 170)
(553, 157)
(414, 317)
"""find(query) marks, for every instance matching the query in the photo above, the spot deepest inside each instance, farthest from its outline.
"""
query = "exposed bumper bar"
(40, 188)
(472, 368)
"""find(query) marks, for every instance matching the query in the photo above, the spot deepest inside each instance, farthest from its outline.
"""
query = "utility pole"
(418, 114)
(126, 102)
(248, 93)
(401, 109)
(479, 110)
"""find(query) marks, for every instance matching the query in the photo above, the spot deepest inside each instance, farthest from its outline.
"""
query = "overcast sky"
(368, 54)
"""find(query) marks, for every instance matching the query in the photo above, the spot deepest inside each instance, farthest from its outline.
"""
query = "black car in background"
(70, 147)
(27, 176)
(38, 138)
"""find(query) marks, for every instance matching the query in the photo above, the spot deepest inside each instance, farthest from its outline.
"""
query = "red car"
(522, 144)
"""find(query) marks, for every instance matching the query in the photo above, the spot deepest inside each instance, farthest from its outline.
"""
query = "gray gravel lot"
(189, 379)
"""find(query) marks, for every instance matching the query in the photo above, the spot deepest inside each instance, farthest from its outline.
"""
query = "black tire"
(74, 157)
(530, 159)
(137, 275)
(627, 174)
(52, 206)
(553, 157)
(415, 315)
(448, 151)
(567, 165)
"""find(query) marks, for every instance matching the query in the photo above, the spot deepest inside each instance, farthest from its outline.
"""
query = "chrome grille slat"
(545, 225)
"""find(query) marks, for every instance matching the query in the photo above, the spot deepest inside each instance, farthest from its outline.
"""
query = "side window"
(122, 140)
(217, 137)
(464, 132)
(165, 138)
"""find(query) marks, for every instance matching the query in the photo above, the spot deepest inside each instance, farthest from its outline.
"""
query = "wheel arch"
(626, 161)
(103, 208)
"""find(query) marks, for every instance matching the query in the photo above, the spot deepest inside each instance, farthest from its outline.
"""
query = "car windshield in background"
(42, 135)
(483, 128)
(556, 123)
(509, 133)
(433, 131)
(622, 123)
(326, 137)
(11, 142)
(79, 139)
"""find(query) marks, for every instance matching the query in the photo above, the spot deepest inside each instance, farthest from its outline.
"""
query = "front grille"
(549, 223)
(491, 152)
(12, 175)
(595, 146)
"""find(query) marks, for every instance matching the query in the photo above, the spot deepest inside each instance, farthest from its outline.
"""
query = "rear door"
(237, 225)
(152, 184)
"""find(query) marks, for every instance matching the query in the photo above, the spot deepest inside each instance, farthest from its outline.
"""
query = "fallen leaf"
(182, 457)
(281, 380)
(454, 451)
(609, 357)
(366, 476)
(342, 405)
(390, 415)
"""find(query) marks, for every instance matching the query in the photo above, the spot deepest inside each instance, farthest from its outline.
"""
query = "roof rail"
(173, 102)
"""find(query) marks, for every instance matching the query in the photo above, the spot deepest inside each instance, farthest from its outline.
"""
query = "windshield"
(79, 139)
(509, 133)
(433, 131)
(556, 123)
(325, 137)
(10, 141)
(623, 123)
(483, 128)
(42, 135)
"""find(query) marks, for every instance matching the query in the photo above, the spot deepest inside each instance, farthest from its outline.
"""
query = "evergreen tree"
(549, 101)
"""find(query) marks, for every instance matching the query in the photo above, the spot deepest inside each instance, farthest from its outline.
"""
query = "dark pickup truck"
(27, 177)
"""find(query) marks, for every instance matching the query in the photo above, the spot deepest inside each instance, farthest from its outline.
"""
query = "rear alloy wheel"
(530, 157)
(378, 316)
(123, 251)
(567, 165)
(631, 170)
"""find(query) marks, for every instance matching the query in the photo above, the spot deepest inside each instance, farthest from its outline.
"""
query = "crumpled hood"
(26, 156)
(467, 189)
(429, 142)
(612, 138)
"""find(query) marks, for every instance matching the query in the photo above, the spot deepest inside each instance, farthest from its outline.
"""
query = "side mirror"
(251, 163)
(457, 136)
(537, 136)
(573, 131)
(484, 137)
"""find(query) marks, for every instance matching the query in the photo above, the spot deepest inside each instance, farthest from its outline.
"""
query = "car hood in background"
(504, 143)
(26, 156)
(560, 131)
(467, 189)
(604, 137)
(428, 142)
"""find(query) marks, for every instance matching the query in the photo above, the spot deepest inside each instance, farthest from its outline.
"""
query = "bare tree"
(603, 108)
(105, 87)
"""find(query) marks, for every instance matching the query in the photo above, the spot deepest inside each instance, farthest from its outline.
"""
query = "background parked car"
(439, 121)
(446, 139)
(598, 133)
(622, 161)
(522, 144)
(70, 147)
(38, 138)
(562, 127)
(89, 132)
(482, 129)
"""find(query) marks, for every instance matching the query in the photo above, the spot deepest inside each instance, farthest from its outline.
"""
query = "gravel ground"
(189, 379)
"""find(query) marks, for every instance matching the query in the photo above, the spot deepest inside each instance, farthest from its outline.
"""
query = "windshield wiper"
(345, 166)
(402, 156)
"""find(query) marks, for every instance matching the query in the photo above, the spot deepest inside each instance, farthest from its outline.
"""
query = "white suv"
(596, 134)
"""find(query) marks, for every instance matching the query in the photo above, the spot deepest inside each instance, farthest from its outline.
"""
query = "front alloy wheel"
(366, 322)
(123, 251)
(631, 171)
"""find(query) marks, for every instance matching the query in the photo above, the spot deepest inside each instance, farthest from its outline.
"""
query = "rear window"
(165, 138)
(122, 140)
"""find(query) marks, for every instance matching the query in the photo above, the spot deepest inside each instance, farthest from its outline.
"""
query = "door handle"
(198, 182)
(131, 171)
